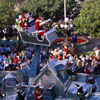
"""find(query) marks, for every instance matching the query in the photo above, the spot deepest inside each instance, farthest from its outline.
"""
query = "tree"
(89, 19)
(46, 8)
(7, 12)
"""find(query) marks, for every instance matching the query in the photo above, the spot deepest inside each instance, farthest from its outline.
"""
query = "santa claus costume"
(37, 94)
(39, 28)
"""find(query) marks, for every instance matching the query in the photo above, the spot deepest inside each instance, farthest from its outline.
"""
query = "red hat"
(35, 85)
(39, 19)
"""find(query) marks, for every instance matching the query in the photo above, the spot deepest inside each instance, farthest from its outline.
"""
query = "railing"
(67, 87)
(28, 89)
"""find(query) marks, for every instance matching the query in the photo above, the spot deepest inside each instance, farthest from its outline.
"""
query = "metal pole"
(65, 19)
(64, 9)
(66, 35)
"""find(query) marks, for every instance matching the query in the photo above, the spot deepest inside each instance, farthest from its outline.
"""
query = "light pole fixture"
(65, 26)
(65, 20)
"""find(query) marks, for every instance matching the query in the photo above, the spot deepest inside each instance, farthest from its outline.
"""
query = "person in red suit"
(38, 94)
(39, 23)
(39, 28)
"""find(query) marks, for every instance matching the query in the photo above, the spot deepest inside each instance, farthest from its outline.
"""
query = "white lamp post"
(65, 19)
(64, 9)
(65, 27)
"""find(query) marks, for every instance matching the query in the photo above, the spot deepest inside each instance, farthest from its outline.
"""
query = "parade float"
(34, 31)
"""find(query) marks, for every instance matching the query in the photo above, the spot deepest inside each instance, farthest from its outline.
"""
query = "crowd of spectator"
(8, 32)
(10, 59)
(77, 63)
(89, 64)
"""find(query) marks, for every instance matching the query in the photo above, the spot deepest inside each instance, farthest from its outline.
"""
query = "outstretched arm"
(42, 23)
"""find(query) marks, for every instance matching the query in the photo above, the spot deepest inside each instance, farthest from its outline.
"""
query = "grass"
(86, 53)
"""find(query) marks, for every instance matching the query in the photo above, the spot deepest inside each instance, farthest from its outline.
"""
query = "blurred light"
(65, 26)
(71, 25)
(62, 26)
(66, 19)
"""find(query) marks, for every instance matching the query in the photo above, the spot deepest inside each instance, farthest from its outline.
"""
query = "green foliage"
(89, 19)
(6, 11)
(46, 8)
(70, 5)
(53, 9)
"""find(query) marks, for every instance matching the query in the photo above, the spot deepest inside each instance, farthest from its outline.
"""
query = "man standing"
(73, 50)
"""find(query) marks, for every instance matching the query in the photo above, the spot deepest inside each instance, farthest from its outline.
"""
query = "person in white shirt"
(60, 51)
(97, 51)
(71, 58)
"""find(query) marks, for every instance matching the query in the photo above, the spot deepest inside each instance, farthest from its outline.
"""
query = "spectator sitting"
(15, 62)
(29, 54)
(15, 48)
(10, 62)
(6, 66)
(2, 49)
(24, 57)
(12, 54)
(7, 50)
(4, 59)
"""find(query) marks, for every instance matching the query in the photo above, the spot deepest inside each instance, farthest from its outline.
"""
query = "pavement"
(93, 42)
